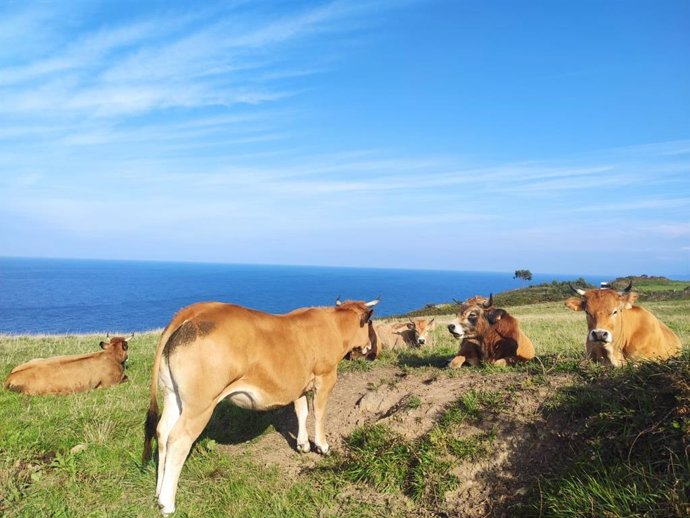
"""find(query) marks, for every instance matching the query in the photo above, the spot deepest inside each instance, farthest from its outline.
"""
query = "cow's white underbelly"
(251, 398)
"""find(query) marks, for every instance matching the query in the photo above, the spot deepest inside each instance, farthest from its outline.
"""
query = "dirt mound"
(411, 403)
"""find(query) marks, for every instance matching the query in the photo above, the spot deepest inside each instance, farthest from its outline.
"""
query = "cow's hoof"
(324, 450)
(167, 509)
(304, 448)
(456, 362)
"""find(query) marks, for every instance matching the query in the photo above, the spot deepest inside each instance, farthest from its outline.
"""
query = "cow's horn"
(577, 290)
(337, 301)
(372, 303)
(457, 302)
(627, 290)
(489, 302)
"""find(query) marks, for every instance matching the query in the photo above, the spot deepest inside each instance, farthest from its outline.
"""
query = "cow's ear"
(366, 317)
(629, 298)
(575, 303)
(493, 316)
(104, 345)
(125, 345)
(410, 325)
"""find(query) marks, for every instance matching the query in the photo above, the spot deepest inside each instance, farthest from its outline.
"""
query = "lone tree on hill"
(523, 274)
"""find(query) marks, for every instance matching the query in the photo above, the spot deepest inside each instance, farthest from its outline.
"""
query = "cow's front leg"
(322, 390)
(302, 411)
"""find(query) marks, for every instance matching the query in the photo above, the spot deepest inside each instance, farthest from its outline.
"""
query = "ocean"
(65, 296)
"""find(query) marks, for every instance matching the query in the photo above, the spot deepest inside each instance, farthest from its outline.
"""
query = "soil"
(526, 439)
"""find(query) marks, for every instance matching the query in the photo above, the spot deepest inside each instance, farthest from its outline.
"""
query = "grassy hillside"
(649, 288)
(556, 437)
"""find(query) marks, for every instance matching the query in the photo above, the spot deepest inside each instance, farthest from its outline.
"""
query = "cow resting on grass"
(399, 335)
(488, 334)
(211, 351)
(618, 331)
(63, 375)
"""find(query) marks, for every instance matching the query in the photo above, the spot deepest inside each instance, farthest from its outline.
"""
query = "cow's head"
(603, 308)
(360, 328)
(471, 320)
(419, 330)
(118, 346)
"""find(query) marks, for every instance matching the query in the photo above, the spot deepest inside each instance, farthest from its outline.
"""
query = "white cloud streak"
(153, 124)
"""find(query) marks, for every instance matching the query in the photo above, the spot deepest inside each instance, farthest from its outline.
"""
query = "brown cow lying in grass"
(619, 331)
(396, 335)
(401, 335)
(488, 334)
(63, 375)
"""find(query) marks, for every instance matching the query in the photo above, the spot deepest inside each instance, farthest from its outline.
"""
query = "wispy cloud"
(177, 60)
(152, 121)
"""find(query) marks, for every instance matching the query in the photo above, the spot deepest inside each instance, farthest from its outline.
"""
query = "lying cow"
(488, 334)
(401, 335)
(63, 375)
(211, 351)
(619, 331)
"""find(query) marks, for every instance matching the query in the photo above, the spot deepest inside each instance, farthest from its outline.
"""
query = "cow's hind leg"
(188, 427)
(170, 415)
(302, 411)
(323, 387)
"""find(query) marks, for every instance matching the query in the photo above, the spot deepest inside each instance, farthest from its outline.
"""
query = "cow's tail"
(152, 414)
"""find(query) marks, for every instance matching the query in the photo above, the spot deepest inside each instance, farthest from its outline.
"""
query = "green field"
(80, 455)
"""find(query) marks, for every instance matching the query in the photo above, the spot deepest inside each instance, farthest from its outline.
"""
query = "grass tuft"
(420, 469)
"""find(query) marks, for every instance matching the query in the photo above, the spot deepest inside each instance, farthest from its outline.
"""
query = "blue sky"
(468, 135)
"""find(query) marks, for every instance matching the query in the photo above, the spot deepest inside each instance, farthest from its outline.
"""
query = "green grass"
(650, 289)
(40, 477)
(631, 457)
(608, 411)
(651, 285)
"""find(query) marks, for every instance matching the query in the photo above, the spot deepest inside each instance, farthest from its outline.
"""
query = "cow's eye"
(472, 317)
(615, 312)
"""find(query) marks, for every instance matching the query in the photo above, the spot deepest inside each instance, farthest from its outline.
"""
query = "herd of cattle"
(213, 351)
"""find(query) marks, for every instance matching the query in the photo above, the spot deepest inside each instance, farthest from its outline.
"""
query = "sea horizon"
(336, 266)
(80, 296)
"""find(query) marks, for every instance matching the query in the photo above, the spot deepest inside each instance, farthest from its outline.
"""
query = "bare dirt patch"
(411, 402)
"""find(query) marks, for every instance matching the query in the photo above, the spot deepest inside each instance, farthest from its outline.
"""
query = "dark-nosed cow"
(397, 335)
(63, 375)
(618, 331)
(488, 334)
(211, 351)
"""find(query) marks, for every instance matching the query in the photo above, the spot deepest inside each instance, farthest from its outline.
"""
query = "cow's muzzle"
(455, 330)
(600, 335)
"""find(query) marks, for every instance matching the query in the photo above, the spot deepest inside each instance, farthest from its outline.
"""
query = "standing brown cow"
(63, 375)
(211, 351)
(619, 331)
(488, 334)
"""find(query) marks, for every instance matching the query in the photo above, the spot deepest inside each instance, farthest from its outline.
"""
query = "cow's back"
(230, 344)
(65, 375)
(645, 336)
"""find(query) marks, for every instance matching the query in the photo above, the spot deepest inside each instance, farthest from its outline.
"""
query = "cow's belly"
(254, 396)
